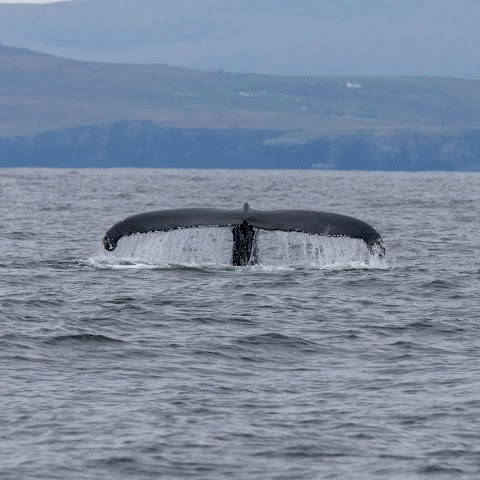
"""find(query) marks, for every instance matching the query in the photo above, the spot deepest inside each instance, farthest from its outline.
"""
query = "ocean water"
(159, 360)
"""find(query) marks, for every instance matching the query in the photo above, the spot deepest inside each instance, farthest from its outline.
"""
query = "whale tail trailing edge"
(244, 222)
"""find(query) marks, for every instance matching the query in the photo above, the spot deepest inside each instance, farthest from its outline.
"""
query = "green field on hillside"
(41, 92)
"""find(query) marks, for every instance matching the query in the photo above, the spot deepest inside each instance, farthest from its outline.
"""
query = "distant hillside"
(315, 37)
(42, 92)
(56, 110)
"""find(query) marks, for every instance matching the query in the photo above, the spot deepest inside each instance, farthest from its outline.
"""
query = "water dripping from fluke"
(211, 237)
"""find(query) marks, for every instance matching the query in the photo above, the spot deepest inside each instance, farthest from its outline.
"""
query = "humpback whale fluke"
(244, 223)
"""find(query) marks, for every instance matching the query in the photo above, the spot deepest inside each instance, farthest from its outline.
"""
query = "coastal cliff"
(146, 144)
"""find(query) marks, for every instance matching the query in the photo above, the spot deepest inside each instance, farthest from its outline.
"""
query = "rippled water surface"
(162, 361)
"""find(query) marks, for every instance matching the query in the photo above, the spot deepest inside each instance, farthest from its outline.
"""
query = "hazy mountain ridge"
(319, 37)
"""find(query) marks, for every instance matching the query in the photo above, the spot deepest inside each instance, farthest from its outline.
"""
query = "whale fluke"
(244, 222)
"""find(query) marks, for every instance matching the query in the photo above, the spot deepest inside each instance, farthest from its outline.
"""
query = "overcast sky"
(29, 1)
(288, 37)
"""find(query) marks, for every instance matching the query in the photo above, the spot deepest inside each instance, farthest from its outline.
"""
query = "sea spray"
(301, 249)
(212, 246)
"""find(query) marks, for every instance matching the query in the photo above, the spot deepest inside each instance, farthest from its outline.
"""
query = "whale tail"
(244, 223)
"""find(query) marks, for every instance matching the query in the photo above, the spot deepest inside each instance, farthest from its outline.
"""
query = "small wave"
(439, 284)
(277, 339)
(438, 469)
(62, 264)
(19, 235)
(54, 264)
(49, 300)
(82, 338)
(116, 461)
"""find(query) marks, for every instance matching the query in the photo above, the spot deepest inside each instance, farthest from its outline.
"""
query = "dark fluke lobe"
(244, 222)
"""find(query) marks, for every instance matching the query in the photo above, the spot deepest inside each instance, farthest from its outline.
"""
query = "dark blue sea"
(160, 360)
